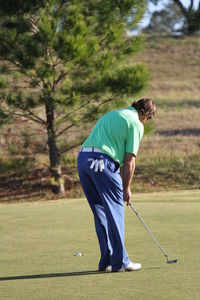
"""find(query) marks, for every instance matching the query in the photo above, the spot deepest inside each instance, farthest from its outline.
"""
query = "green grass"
(39, 240)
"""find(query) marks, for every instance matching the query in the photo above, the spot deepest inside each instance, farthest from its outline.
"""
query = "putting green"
(39, 242)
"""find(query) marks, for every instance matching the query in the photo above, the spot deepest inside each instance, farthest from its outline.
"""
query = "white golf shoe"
(131, 267)
(107, 269)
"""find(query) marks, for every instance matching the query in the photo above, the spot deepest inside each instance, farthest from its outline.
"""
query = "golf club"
(169, 261)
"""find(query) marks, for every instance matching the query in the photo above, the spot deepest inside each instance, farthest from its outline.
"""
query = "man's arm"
(127, 173)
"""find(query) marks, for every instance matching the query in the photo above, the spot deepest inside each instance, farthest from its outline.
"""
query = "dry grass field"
(175, 68)
(173, 150)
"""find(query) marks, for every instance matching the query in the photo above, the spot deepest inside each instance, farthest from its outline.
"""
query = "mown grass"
(39, 242)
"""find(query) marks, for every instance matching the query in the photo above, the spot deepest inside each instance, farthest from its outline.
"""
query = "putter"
(169, 261)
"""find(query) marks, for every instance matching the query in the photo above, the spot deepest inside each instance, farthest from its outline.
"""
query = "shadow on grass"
(38, 276)
(54, 275)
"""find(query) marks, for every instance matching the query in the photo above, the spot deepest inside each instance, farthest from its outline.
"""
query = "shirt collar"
(134, 110)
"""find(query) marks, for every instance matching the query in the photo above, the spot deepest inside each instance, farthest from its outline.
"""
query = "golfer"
(106, 164)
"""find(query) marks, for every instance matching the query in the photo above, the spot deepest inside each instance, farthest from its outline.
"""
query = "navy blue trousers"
(104, 193)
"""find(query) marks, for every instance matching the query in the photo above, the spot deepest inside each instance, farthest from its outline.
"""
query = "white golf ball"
(78, 254)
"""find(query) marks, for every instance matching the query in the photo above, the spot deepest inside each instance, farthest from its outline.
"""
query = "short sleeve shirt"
(116, 133)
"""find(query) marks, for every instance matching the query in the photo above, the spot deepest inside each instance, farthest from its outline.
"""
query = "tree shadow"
(181, 132)
(51, 275)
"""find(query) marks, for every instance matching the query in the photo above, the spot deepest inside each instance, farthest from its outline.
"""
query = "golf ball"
(78, 254)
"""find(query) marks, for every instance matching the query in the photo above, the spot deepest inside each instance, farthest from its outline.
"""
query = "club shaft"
(133, 208)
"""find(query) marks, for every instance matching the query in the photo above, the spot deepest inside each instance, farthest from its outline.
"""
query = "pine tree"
(74, 60)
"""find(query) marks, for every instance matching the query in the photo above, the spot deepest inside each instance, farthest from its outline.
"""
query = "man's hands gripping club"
(127, 175)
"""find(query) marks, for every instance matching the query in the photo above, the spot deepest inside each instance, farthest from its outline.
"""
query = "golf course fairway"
(39, 242)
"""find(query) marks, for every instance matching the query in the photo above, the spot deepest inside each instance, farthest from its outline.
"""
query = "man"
(113, 144)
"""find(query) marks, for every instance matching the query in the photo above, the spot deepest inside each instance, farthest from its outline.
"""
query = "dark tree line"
(188, 16)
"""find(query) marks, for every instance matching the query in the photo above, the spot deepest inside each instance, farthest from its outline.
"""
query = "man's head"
(146, 109)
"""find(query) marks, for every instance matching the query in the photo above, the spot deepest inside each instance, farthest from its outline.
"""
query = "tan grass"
(175, 67)
(169, 146)
(186, 118)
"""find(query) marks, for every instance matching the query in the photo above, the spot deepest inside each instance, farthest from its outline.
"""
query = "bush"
(17, 165)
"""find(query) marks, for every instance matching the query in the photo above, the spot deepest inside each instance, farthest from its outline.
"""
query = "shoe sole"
(107, 270)
(127, 270)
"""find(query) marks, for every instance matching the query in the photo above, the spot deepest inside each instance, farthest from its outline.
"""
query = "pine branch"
(15, 63)
(21, 69)
(26, 116)
(70, 147)
(74, 111)
(33, 24)
(24, 72)
(65, 129)
(60, 77)
(51, 56)
(58, 61)
(106, 101)
(36, 117)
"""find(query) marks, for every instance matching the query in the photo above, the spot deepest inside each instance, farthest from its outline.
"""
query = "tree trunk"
(57, 181)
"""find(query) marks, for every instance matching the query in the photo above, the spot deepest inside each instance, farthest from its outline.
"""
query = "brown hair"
(145, 106)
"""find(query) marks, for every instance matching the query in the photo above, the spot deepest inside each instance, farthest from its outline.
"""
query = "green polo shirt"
(116, 133)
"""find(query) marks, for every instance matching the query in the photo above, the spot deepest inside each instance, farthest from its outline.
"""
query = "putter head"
(172, 261)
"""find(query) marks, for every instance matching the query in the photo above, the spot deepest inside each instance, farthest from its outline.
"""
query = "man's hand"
(127, 175)
(127, 196)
